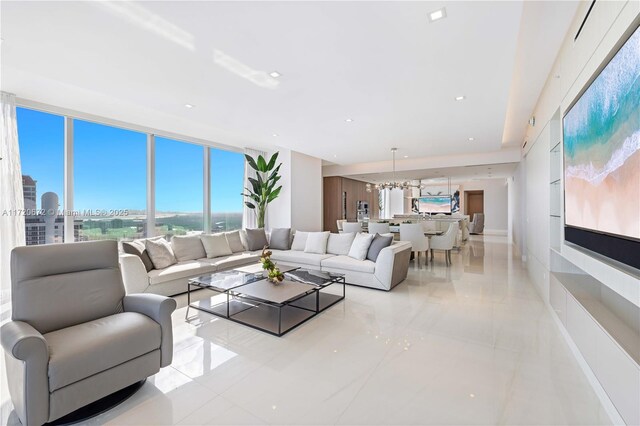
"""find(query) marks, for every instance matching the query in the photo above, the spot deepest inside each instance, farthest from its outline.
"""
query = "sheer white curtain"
(249, 216)
(11, 197)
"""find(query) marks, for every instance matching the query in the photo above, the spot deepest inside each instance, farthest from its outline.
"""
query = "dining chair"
(351, 227)
(445, 242)
(419, 243)
(379, 228)
(340, 222)
(429, 226)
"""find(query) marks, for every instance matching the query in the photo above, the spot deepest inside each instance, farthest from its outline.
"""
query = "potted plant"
(273, 273)
(263, 188)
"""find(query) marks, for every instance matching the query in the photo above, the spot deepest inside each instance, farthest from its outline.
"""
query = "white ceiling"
(381, 64)
(457, 174)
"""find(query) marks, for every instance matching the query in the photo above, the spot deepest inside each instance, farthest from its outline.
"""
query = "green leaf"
(255, 184)
(272, 161)
(272, 183)
(251, 162)
(275, 172)
(274, 194)
(262, 164)
(248, 204)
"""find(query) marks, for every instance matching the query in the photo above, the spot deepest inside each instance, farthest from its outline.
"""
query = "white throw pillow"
(360, 246)
(235, 243)
(317, 242)
(340, 243)
(216, 245)
(160, 253)
(187, 247)
(299, 241)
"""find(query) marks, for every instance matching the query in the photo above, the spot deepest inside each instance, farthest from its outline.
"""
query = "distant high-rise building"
(29, 192)
(48, 227)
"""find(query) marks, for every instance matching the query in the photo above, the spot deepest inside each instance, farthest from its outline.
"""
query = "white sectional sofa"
(389, 269)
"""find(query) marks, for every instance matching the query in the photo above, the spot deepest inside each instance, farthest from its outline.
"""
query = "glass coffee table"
(245, 296)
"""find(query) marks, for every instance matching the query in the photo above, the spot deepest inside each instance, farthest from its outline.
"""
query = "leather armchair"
(477, 224)
(75, 337)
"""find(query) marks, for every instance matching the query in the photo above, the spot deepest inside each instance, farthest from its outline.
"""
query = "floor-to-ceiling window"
(179, 187)
(41, 139)
(108, 192)
(110, 188)
(227, 177)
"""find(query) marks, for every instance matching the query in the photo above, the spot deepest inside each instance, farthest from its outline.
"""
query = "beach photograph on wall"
(601, 134)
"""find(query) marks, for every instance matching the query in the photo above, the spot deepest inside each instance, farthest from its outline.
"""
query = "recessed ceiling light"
(406, 156)
(275, 135)
(188, 106)
(437, 14)
(335, 156)
(349, 120)
(472, 139)
(461, 98)
(275, 74)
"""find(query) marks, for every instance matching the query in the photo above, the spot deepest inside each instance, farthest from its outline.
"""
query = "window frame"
(70, 116)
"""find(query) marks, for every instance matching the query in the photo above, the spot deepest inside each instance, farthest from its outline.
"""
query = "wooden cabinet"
(340, 200)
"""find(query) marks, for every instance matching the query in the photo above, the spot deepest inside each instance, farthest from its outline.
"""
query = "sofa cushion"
(160, 252)
(360, 246)
(299, 240)
(349, 264)
(379, 242)
(186, 269)
(280, 239)
(256, 239)
(83, 350)
(340, 243)
(216, 245)
(317, 242)
(235, 242)
(235, 260)
(299, 257)
(139, 249)
(187, 247)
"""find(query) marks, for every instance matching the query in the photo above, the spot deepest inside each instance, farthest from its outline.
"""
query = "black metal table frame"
(237, 295)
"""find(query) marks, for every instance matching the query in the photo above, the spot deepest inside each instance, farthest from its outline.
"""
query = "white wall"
(496, 204)
(576, 63)
(536, 214)
(279, 211)
(299, 205)
(396, 202)
(306, 192)
(516, 202)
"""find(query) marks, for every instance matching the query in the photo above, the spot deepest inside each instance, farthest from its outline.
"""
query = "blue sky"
(110, 167)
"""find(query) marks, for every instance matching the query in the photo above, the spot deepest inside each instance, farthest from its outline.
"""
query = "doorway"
(473, 202)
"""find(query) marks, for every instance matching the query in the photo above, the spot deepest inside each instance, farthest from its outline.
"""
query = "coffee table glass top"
(312, 276)
(225, 280)
(276, 293)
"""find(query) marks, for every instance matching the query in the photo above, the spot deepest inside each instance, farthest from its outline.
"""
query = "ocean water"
(602, 130)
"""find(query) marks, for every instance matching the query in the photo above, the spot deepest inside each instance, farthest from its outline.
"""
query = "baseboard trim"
(500, 232)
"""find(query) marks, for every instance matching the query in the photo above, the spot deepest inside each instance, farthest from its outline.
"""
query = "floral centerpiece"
(273, 273)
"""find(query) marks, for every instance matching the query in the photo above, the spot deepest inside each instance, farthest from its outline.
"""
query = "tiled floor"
(469, 344)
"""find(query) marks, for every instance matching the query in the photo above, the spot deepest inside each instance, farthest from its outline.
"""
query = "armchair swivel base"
(100, 406)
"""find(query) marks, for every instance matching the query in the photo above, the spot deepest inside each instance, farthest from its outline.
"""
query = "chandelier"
(394, 184)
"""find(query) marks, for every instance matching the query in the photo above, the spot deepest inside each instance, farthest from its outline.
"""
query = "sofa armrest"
(27, 363)
(134, 274)
(392, 264)
(158, 308)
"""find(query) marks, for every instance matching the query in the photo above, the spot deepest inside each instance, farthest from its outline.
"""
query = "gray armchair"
(75, 337)
(477, 224)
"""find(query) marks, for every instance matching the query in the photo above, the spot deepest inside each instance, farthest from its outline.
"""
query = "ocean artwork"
(602, 149)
